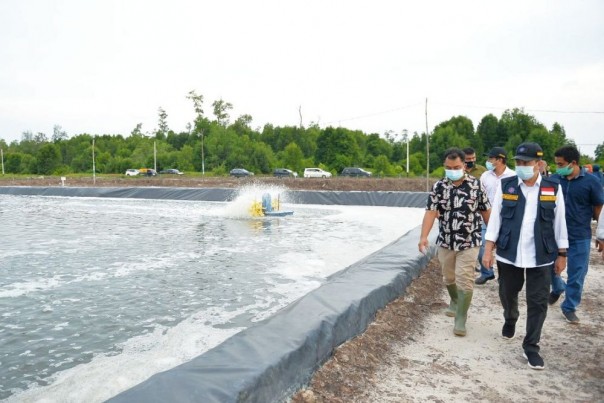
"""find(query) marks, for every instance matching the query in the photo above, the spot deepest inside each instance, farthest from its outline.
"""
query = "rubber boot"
(464, 298)
(452, 309)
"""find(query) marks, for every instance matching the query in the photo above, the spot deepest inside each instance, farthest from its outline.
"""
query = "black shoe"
(534, 360)
(571, 317)
(508, 332)
(553, 298)
(483, 279)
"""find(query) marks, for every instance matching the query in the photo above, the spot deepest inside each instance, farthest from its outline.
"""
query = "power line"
(385, 112)
(527, 109)
(376, 113)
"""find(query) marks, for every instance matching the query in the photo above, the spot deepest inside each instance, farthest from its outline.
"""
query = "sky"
(103, 66)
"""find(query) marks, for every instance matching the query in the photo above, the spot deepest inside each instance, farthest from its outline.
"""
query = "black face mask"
(470, 164)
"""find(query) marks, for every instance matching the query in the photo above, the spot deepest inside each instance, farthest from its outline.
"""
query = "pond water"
(96, 295)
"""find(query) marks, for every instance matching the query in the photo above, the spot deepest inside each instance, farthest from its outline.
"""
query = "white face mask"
(525, 172)
(454, 174)
(490, 166)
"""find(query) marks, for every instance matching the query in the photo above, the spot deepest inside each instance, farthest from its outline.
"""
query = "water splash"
(248, 194)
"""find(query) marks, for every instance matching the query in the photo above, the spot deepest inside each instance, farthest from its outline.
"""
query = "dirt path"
(409, 353)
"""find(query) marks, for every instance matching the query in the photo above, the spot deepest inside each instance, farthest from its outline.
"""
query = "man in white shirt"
(600, 233)
(528, 226)
(497, 170)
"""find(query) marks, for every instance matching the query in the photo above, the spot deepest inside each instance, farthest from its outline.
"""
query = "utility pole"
(2, 158)
(427, 151)
(203, 164)
(405, 133)
(93, 164)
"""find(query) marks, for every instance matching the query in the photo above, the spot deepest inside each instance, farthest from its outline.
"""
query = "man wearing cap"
(528, 227)
(497, 170)
(583, 199)
(471, 166)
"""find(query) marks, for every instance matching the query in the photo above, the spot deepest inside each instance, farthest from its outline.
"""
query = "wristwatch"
(563, 254)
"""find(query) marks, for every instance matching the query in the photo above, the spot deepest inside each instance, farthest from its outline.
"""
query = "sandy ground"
(409, 353)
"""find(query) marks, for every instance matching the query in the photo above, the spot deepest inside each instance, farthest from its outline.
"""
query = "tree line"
(215, 144)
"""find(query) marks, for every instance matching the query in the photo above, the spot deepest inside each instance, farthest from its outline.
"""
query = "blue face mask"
(525, 172)
(454, 174)
(490, 166)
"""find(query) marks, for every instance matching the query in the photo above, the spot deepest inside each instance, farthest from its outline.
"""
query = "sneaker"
(508, 332)
(534, 360)
(483, 279)
(571, 317)
(553, 298)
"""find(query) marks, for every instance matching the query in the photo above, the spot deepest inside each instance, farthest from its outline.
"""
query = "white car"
(316, 173)
(132, 172)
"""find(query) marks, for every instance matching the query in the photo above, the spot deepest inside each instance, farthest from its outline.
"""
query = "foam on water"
(210, 272)
(248, 194)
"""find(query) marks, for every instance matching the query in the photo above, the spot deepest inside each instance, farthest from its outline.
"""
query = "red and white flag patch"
(547, 191)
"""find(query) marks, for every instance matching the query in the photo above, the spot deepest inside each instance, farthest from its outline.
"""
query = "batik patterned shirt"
(459, 212)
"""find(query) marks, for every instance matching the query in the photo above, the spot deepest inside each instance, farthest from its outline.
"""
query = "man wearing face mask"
(497, 170)
(459, 202)
(471, 166)
(529, 228)
(583, 197)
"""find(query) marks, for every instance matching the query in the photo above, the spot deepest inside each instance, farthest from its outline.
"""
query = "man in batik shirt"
(459, 201)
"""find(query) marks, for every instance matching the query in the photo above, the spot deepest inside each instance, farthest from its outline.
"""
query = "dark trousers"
(511, 281)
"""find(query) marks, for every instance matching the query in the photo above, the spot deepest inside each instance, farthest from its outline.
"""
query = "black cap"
(497, 152)
(529, 152)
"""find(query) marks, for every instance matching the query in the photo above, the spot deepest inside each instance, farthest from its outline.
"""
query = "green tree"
(162, 123)
(377, 146)
(487, 132)
(12, 163)
(58, 134)
(337, 148)
(48, 159)
(599, 152)
(221, 109)
(292, 157)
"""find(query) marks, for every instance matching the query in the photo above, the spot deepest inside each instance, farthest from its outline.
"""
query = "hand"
(600, 245)
(422, 246)
(487, 258)
(560, 265)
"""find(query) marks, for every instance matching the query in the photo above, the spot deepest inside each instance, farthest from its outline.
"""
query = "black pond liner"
(270, 360)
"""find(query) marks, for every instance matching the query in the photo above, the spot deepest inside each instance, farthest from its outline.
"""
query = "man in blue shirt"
(583, 197)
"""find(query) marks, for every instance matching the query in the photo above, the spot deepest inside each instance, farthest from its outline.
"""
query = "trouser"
(484, 271)
(511, 281)
(458, 267)
(576, 270)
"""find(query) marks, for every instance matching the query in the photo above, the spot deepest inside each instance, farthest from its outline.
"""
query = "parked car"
(284, 173)
(132, 172)
(316, 173)
(352, 171)
(171, 171)
(147, 172)
(240, 173)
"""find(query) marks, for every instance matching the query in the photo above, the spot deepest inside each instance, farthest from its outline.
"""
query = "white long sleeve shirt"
(526, 253)
(600, 228)
(491, 181)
